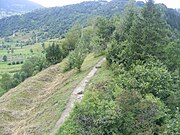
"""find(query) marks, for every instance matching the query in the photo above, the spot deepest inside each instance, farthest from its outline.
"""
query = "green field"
(5, 68)
(19, 54)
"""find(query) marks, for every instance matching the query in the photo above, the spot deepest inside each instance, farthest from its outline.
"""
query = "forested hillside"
(18, 5)
(13, 7)
(172, 17)
(56, 21)
(178, 10)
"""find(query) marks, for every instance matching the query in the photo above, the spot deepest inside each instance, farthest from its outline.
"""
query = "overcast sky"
(52, 3)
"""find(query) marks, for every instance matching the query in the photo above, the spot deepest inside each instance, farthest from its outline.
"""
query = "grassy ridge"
(34, 106)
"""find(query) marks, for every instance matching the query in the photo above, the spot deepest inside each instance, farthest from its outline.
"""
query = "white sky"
(52, 3)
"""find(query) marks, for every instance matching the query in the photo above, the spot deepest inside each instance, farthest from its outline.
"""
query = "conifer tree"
(148, 33)
(53, 54)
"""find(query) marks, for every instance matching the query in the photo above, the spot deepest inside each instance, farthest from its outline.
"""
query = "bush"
(7, 82)
(17, 62)
(93, 116)
(119, 53)
(127, 113)
(150, 78)
(76, 59)
(4, 58)
(138, 115)
(13, 63)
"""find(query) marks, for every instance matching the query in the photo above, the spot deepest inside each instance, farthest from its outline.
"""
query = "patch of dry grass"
(35, 105)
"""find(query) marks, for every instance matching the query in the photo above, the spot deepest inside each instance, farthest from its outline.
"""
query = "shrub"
(17, 62)
(76, 59)
(138, 115)
(4, 58)
(150, 78)
(13, 63)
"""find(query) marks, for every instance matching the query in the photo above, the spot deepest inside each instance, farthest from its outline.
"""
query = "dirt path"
(76, 96)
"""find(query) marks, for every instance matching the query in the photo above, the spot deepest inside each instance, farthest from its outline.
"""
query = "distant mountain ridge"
(178, 9)
(18, 5)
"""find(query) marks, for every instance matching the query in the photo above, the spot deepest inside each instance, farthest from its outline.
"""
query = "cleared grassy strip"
(35, 105)
(5, 68)
(37, 48)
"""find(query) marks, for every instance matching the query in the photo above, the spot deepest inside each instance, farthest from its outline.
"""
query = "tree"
(72, 37)
(28, 68)
(4, 58)
(12, 50)
(172, 52)
(142, 36)
(31, 50)
(87, 35)
(76, 59)
(32, 66)
(54, 54)
(123, 24)
(6, 81)
(148, 33)
(105, 29)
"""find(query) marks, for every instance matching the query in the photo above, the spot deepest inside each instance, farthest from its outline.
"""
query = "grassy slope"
(35, 105)
(25, 51)
(98, 82)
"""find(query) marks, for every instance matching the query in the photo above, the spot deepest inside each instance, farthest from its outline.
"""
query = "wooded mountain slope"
(53, 22)
(58, 20)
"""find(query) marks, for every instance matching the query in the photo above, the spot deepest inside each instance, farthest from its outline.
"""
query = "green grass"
(24, 52)
(5, 68)
(36, 104)
(97, 83)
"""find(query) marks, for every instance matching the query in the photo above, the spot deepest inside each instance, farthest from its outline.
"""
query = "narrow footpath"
(76, 96)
